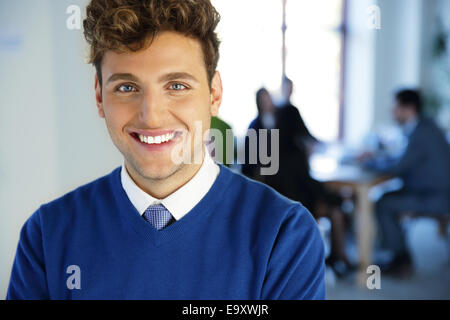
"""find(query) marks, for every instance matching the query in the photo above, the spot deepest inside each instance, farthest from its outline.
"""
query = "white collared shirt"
(181, 201)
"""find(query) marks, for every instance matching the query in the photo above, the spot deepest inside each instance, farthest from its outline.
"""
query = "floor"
(431, 279)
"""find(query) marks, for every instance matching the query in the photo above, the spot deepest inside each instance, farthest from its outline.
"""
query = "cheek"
(200, 118)
(192, 110)
(117, 114)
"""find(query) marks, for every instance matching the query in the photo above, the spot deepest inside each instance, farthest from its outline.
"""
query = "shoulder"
(428, 130)
(288, 113)
(427, 125)
(283, 236)
(288, 109)
(54, 219)
(255, 124)
(79, 198)
(265, 203)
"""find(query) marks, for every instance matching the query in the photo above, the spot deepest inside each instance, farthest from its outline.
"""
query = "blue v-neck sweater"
(243, 240)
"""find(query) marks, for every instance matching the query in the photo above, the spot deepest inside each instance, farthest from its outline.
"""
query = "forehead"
(168, 52)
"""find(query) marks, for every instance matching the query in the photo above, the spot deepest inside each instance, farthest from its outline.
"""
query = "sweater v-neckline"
(129, 215)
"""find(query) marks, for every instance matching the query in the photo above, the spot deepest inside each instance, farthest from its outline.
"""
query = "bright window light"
(251, 57)
(250, 31)
(313, 63)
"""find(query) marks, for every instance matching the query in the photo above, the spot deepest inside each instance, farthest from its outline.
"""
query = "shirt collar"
(182, 200)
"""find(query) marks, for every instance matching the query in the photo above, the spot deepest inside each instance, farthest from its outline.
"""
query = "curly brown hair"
(128, 25)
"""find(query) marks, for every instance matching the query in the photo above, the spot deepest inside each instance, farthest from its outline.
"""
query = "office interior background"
(344, 64)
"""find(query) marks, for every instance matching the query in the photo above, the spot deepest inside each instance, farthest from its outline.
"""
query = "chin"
(159, 172)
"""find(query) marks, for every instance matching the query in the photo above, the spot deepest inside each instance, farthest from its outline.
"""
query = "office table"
(326, 168)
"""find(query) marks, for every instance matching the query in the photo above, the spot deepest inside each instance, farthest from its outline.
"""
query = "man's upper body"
(424, 166)
(206, 233)
(242, 240)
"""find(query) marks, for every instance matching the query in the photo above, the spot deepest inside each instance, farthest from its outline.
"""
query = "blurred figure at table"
(424, 168)
(294, 181)
(264, 120)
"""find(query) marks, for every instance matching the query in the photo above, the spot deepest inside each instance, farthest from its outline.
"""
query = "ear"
(98, 97)
(216, 94)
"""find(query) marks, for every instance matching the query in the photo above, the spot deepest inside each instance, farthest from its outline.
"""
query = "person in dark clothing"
(264, 120)
(289, 116)
(294, 181)
(424, 168)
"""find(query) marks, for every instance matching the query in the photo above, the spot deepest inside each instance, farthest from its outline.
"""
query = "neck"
(285, 101)
(410, 119)
(162, 188)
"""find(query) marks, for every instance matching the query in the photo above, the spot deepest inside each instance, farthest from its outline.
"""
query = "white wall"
(435, 73)
(398, 54)
(51, 139)
(360, 72)
(380, 61)
(85, 150)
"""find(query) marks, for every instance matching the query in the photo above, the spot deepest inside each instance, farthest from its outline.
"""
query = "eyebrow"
(122, 76)
(166, 77)
(177, 75)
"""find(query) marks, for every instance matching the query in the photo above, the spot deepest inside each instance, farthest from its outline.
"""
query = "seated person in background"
(424, 168)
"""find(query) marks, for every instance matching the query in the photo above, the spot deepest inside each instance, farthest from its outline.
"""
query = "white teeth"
(157, 139)
(168, 137)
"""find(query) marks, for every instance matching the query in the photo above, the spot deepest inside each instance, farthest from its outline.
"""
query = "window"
(251, 57)
(313, 62)
(251, 36)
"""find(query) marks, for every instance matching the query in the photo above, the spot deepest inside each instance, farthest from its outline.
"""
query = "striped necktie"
(158, 216)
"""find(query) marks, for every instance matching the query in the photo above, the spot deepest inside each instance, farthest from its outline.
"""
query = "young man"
(160, 228)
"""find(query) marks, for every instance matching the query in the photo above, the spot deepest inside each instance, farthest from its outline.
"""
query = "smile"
(156, 139)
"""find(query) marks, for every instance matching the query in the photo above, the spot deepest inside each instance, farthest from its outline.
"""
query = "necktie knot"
(158, 216)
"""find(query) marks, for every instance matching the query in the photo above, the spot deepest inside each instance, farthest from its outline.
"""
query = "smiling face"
(152, 100)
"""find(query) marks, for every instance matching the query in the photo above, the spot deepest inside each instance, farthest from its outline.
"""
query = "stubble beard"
(153, 174)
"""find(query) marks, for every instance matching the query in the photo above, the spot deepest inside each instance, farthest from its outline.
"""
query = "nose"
(152, 110)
